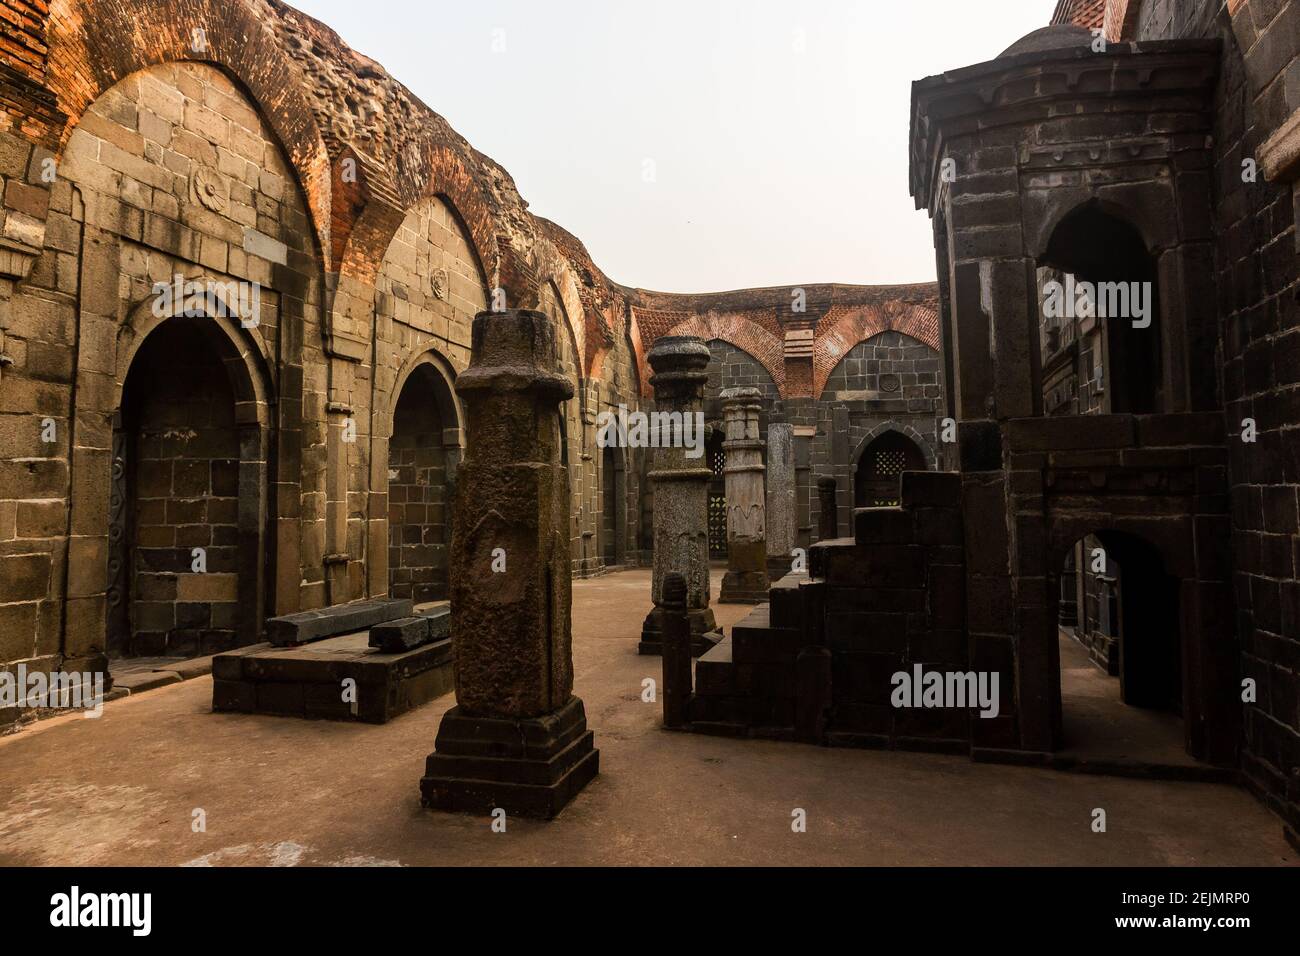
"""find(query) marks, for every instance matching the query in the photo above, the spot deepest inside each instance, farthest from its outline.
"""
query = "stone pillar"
(828, 524)
(746, 579)
(517, 738)
(782, 526)
(680, 479)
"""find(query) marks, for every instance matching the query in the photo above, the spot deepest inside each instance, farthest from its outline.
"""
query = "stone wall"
(1258, 279)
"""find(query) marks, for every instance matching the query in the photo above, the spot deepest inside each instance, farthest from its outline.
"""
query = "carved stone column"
(517, 738)
(782, 526)
(680, 477)
(746, 579)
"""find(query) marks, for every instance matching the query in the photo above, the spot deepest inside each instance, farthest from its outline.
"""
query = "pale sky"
(773, 134)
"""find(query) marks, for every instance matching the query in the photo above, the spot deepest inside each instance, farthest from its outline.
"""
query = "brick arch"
(383, 199)
(754, 340)
(837, 334)
(95, 44)
(246, 364)
(572, 337)
(556, 272)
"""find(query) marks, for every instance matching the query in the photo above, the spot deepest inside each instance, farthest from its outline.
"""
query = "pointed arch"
(95, 44)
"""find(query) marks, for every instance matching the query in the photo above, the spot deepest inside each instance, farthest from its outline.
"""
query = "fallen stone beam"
(304, 627)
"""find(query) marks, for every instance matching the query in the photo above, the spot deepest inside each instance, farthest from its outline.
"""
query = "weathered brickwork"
(1084, 13)
(200, 474)
(272, 156)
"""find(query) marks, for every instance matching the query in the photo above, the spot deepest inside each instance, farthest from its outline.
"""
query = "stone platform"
(307, 681)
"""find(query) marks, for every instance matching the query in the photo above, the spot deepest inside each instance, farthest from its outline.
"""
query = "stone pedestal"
(746, 579)
(782, 520)
(517, 739)
(680, 477)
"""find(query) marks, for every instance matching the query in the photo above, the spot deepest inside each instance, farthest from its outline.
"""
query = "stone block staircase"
(814, 662)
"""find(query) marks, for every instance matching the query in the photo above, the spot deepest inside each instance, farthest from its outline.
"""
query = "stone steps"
(786, 601)
(714, 673)
(755, 641)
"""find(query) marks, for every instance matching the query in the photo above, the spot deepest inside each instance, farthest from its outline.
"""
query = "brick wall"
(1084, 13)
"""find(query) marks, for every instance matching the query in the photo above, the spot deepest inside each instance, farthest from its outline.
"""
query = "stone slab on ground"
(293, 630)
(309, 681)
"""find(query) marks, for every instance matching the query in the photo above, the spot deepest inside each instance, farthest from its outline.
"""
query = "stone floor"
(1097, 724)
(123, 790)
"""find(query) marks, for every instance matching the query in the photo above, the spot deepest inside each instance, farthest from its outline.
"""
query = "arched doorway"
(1119, 365)
(423, 453)
(882, 462)
(188, 499)
(612, 505)
(1120, 650)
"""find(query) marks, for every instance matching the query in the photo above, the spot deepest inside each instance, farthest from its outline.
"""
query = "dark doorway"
(419, 499)
(882, 462)
(611, 485)
(174, 565)
(1097, 247)
(1121, 659)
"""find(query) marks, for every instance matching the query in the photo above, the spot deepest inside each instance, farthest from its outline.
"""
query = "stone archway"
(880, 464)
(1096, 244)
(613, 489)
(422, 446)
(187, 512)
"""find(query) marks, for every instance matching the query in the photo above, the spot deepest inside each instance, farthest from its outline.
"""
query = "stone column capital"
(515, 351)
(679, 364)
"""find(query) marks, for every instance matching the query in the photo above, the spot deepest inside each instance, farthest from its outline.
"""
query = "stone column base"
(705, 633)
(744, 587)
(529, 768)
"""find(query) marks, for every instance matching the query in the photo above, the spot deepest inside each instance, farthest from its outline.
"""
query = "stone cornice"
(1024, 88)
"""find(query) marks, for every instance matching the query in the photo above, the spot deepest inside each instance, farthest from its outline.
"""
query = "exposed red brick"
(1083, 13)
